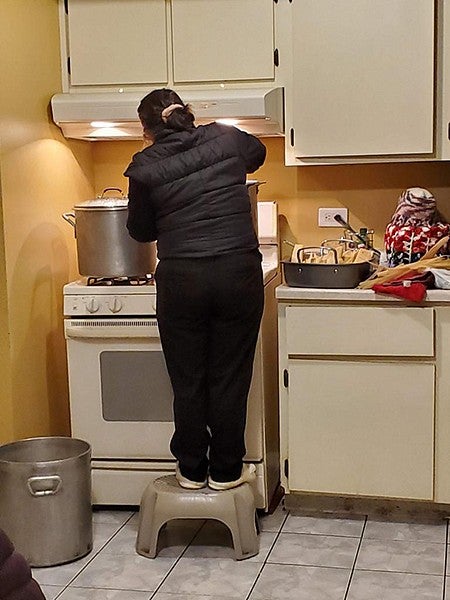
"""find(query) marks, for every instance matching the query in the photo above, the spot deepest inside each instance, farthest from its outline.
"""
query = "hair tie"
(165, 114)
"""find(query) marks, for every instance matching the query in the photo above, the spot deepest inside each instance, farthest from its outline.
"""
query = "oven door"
(120, 394)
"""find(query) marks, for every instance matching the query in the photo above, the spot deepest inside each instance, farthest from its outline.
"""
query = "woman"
(187, 190)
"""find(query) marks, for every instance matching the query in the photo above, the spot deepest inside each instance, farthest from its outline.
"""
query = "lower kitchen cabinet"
(442, 444)
(361, 428)
(364, 394)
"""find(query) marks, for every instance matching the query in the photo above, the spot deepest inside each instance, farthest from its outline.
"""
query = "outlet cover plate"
(326, 216)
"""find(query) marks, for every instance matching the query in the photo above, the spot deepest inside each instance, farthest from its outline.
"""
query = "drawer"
(360, 331)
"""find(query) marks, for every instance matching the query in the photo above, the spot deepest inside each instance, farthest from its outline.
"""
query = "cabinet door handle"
(276, 57)
(286, 378)
(292, 136)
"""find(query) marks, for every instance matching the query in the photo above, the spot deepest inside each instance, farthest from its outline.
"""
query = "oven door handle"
(109, 331)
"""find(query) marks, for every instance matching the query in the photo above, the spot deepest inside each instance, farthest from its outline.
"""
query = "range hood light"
(107, 132)
(98, 124)
(228, 121)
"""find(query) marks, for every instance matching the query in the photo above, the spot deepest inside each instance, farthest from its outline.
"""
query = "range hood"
(113, 115)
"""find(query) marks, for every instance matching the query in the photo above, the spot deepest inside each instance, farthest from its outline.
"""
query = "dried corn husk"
(363, 255)
(385, 274)
(344, 256)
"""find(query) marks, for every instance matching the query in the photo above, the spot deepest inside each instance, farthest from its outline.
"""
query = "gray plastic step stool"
(164, 500)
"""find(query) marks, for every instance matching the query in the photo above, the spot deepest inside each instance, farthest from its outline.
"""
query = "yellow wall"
(370, 192)
(42, 176)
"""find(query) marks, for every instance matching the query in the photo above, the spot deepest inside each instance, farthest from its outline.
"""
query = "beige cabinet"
(223, 40)
(143, 42)
(357, 399)
(443, 80)
(442, 446)
(112, 42)
(363, 79)
(352, 427)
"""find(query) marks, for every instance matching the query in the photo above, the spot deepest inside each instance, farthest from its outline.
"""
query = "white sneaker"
(247, 476)
(186, 483)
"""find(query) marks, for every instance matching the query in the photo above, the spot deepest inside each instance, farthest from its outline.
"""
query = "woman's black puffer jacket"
(16, 582)
(188, 190)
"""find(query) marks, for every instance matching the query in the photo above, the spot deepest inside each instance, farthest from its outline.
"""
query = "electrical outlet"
(326, 216)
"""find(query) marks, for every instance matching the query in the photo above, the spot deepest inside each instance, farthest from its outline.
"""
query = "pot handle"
(46, 485)
(320, 249)
(110, 189)
(345, 241)
(70, 218)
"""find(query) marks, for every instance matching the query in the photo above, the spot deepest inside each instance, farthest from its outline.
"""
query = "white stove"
(81, 299)
(120, 393)
(116, 300)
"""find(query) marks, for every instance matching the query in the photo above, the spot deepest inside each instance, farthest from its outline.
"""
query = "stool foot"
(149, 525)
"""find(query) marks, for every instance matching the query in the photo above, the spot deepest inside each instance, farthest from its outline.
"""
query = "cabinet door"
(363, 77)
(367, 331)
(116, 42)
(361, 428)
(222, 40)
(442, 489)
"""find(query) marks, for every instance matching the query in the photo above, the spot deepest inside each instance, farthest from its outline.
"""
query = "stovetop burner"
(109, 281)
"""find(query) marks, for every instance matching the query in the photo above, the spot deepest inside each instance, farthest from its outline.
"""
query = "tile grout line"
(65, 587)
(331, 535)
(263, 564)
(355, 559)
(158, 587)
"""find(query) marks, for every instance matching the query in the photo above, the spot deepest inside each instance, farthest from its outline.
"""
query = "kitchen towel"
(410, 286)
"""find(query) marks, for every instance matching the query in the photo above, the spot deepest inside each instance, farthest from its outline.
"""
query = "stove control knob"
(92, 305)
(116, 305)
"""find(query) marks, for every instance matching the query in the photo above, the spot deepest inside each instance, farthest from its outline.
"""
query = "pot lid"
(103, 201)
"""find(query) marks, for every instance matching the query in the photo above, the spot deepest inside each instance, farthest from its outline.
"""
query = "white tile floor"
(300, 558)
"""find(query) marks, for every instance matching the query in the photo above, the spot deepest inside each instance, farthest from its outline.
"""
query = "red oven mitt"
(411, 286)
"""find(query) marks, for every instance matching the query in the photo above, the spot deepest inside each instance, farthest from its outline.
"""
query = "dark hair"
(152, 106)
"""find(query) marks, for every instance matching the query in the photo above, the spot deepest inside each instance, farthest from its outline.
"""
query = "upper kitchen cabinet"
(223, 40)
(126, 43)
(443, 81)
(362, 84)
(112, 42)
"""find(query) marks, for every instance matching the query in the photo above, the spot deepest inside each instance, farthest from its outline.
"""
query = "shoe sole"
(221, 488)
(188, 486)
(229, 485)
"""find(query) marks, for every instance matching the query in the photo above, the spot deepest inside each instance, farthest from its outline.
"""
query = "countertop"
(284, 292)
(270, 264)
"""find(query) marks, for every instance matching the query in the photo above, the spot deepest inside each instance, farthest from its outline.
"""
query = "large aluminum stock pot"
(45, 498)
(104, 246)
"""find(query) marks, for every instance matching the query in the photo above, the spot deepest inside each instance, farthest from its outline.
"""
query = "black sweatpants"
(209, 312)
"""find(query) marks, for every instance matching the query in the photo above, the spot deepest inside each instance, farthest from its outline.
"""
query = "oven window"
(135, 386)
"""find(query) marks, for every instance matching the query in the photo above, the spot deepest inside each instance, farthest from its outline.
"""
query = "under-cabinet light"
(102, 124)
